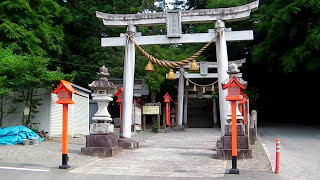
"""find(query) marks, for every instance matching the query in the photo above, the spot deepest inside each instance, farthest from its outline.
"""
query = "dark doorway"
(200, 113)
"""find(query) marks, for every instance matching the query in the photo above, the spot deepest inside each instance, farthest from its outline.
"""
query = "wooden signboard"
(150, 110)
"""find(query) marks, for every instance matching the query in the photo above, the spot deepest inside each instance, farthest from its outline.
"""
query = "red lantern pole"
(168, 114)
(65, 138)
(119, 100)
(167, 99)
(234, 134)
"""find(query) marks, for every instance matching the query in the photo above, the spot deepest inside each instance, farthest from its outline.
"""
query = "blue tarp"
(15, 134)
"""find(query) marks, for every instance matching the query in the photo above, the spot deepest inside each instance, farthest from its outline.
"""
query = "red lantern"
(167, 99)
(234, 87)
(64, 91)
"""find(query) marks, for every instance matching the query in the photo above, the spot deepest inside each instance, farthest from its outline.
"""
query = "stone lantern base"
(178, 128)
(223, 148)
(101, 145)
(128, 143)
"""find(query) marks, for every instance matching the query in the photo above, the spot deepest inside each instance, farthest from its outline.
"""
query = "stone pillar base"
(101, 128)
(101, 151)
(226, 154)
(178, 128)
(128, 143)
(102, 145)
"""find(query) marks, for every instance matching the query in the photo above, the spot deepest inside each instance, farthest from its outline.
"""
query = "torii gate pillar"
(128, 81)
(222, 63)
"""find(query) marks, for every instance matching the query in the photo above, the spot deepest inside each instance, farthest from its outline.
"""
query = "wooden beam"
(214, 64)
(185, 38)
(198, 76)
(187, 16)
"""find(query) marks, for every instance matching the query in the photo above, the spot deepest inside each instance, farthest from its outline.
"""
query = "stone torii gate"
(174, 20)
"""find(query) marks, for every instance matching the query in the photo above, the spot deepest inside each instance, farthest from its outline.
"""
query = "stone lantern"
(102, 118)
(233, 70)
(101, 141)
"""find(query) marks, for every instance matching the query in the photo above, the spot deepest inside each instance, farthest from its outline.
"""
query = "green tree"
(288, 35)
(24, 75)
(82, 51)
(33, 27)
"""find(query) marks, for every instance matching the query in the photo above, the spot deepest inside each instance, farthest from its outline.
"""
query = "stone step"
(101, 140)
(226, 154)
(242, 142)
(240, 130)
(101, 151)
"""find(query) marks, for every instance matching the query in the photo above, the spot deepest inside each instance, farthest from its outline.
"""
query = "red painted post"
(234, 132)
(277, 156)
(119, 100)
(168, 114)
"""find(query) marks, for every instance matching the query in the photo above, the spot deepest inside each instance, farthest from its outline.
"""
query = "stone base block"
(252, 135)
(240, 130)
(127, 143)
(101, 128)
(226, 154)
(225, 142)
(178, 128)
(101, 140)
(101, 151)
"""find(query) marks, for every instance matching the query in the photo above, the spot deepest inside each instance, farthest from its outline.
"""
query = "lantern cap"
(65, 84)
(119, 92)
(233, 69)
(171, 75)
(102, 83)
(167, 97)
(149, 67)
(194, 66)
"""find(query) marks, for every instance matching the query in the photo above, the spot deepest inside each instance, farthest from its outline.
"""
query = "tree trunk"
(1, 111)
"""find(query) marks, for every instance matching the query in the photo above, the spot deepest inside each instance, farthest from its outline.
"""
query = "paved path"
(174, 154)
(299, 154)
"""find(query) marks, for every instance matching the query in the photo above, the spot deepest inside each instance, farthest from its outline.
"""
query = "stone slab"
(101, 128)
(101, 140)
(240, 130)
(242, 142)
(226, 154)
(101, 151)
(178, 128)
(127, 143)
(165, 155)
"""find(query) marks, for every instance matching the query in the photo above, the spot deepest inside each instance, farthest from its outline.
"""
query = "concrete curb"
(267, 153)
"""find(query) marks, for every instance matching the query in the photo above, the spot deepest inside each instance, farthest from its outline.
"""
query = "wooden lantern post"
(167, 99)
(242, 106)
(64, 91)
(119, 100)
(234, 87)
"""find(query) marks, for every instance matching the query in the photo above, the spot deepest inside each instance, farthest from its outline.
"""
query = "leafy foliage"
(289, 35)
(24, 75)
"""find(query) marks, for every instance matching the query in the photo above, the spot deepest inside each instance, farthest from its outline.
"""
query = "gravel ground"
(259, 161)
(48, 153)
